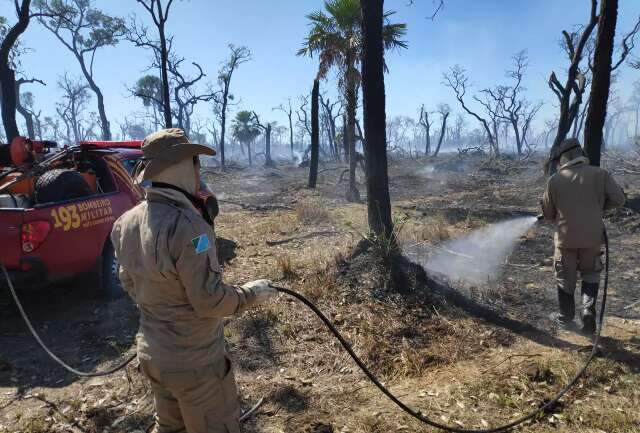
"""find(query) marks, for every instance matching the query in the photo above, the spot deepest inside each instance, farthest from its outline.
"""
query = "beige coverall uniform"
(169, 267)
(576, 198)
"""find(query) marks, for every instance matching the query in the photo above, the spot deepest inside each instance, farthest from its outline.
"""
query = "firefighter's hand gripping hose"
(44, 346)
(424, 418)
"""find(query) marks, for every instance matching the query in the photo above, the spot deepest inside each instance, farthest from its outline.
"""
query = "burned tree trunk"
(375, 145)
(104, 121)
(315, 134)
(28, 118)
(597, 111)
(8, 75)
(352, 194)
(164, 60)
(9, 101)
(223, 127)
(445, 115)
(426, 123)
(345, 146)
(267, 144)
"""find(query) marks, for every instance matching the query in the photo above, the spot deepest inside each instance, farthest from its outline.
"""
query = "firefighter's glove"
(262, 289)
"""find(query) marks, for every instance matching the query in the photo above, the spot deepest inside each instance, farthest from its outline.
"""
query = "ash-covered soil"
(467, 355)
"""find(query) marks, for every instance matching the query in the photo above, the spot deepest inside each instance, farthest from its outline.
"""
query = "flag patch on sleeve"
(201, 243)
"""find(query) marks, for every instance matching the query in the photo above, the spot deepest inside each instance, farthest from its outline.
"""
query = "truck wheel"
(59, 185)
(110, 286)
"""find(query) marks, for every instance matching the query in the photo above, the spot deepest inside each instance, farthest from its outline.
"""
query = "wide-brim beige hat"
(164, 148)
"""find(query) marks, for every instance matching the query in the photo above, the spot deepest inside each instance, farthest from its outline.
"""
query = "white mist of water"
(479, 256)
(297, 156)
(426, 171)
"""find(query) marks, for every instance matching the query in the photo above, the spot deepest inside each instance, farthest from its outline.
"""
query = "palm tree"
(373, 108)
(336, 37)
(245, 129)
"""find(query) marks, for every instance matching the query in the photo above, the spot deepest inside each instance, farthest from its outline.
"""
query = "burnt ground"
(469, 356)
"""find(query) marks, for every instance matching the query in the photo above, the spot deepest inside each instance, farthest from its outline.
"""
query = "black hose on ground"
(550, 405)
(416, 414)
(44, 346)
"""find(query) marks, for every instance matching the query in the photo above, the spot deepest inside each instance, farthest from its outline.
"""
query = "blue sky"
(479, 35)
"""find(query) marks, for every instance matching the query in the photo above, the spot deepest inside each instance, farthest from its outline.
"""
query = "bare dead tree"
(266, 129)
(27, 99)
(289, 112)
(237, 56)
(74, 102)
(185, 94)
(139, 35)
(444, 110)
(213, 130)
(52, 127)
(23, 108)
(510, 104)
(426, 124)
(529, 115)
(83, 30)
(197, 131)
(578, 122)
(493, 111)
(133, 129)
(332, 111)
(304, 118)
(615, 112)
(37, 118)
(458, 129)
(457, 80)
(570, 94)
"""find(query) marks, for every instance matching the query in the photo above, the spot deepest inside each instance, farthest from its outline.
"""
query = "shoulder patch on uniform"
(201, 243)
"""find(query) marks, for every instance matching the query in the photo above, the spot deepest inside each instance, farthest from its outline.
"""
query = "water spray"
(477, 257)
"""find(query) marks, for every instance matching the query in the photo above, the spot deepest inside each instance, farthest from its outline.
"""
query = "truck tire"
(59, 185)
(110, 286)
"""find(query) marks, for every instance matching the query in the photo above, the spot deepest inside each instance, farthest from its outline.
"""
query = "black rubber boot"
(589, 298)
(567, 309)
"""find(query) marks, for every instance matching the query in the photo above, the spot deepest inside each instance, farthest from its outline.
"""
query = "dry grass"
(279, 223)
(286, 267)
(312, 211)
(435, 229)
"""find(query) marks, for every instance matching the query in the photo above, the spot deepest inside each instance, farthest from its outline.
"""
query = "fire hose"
(549, 405)
(44, 346)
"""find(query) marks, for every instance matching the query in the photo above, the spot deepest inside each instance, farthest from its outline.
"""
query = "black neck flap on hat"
(197, 202)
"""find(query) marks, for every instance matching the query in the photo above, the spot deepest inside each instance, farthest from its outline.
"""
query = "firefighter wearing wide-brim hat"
(168, 265)
(575, 199)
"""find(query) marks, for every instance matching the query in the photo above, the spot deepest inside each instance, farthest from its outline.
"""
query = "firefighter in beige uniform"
(575, 199)
(169, 267)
